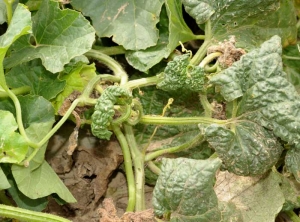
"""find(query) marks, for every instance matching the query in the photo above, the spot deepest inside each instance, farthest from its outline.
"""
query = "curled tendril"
(136, 112)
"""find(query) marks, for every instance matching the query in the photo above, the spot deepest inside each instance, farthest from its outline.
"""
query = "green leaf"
(291, 65)
(13, 147)
(20, 25)
(3, 14)
(172, 30)
(4, 184)
(131, 23)
(184, 189)
(76, 77)
(58, 35)
(23, 201)
(41, 81)
(292, 162)
(248, 149)
(257, 198)
(40, 182)
(243, 20)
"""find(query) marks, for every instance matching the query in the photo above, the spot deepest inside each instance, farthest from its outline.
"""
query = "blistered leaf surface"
(58, 35)
(292, 162)
(243, 19)
(131, 23)
(185, 190)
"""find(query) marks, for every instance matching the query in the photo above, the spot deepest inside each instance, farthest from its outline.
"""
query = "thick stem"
(128, 168)
(202, 50)
(209, 58)
(292, 215)
(27, 215)
(138, 161)
(141, 82)
(110, 63)
(208, 109)
(160, 120)
(17, 91)
(152, 155)
(113, 50)
(155, 169)
(8, 4)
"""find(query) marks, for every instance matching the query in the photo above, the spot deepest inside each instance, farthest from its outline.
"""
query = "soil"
(92, 174)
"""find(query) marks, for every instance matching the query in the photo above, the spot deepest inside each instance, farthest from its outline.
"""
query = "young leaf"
(40, 182)
(59, 36)
(41, 81)
(76, 77)
(243, 20)
(13, 147)
(258, 198)
(184, 189)
(172, 30)
(131, 23)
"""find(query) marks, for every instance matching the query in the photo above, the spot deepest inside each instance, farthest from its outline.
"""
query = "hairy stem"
(202, 50)
(110, 63)
(27, 215)
(8, 4)
(142, 82)
(128, 168)
(292, 215)
(152, 155)
(113, 50)
(17, 91)
(206, 105)
(138, 161)
(160, 120)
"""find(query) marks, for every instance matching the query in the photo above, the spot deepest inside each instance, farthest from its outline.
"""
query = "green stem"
(113, 50)
(290, 57)
(212, 68)
(209, 58)
(17, 91)
(155, 169)
(138, 161)
(206, 105)
(292, 215)
(4, 199)
(152, 155)
(27, 215)
(160, 120)
(125, 115)
(110, 63)
(8, 4)
(202, 50)
(128, 167)
(200, 37)
(142, 82)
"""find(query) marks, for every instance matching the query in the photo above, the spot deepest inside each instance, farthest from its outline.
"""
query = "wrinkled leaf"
(292, 162)
(40, 182)
(268, 99)
(247, 150)
(184, 189)
(4, 184)
(258, 198)
(13, 146)
(172, 30)
(41, 81)
(58, 35)
(76, 77)
(243, 20)
(131, 23)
